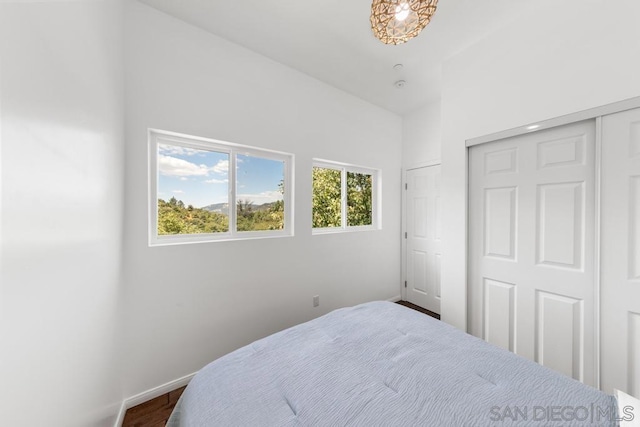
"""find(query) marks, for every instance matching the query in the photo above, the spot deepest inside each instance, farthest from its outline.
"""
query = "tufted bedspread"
(381, 364)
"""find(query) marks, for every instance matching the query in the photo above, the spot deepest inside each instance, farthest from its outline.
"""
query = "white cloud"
(216, 181)
(172, 166)
(178, 191)
(178, 150)
(260, 198)
(222, 167)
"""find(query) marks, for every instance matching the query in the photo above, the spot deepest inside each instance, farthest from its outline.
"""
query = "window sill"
(339, 230)
(208, 238)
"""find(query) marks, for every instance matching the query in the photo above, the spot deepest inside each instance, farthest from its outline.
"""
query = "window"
(206, 190)
(345, 197)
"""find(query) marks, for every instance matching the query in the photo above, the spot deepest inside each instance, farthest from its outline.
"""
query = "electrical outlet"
(316, 300)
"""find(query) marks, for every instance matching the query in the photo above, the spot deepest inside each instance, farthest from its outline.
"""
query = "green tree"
(269, 216)
(174, 218)
(327, 189)
(359, 199)
(170, 223)
(244, 207)
(276, 211)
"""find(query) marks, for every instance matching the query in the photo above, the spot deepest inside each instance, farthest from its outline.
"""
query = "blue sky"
(201, 178)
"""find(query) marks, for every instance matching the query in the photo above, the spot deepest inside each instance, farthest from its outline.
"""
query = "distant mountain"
(262, 207)
(223, 208)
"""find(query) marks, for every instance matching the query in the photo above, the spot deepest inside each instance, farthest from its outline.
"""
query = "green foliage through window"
(269, 216)
(175, 218)
(329, 202)
(359, 199)
(327, 205)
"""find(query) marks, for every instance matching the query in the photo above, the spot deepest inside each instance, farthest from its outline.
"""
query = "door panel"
(634, 138)
(634, 228)
(499, 311)
(501, 161)
(419, 269)
(424, 221)
(560, 228)
(438, 267)
(559, 330)
(419, 217)
(633, 354)
(500, 222)
(531, 247)
(562, 152)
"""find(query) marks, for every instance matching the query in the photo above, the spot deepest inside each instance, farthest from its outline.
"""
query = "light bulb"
(402, 11)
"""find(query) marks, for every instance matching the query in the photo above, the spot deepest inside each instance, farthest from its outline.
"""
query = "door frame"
(403, 256)
(591, 114)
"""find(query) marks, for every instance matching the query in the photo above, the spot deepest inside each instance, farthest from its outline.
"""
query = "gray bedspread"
(381, 364)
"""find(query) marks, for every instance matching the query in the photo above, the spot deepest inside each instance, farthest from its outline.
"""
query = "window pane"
(260, 193)
(193, 190)
(359, 199)
(327, 187)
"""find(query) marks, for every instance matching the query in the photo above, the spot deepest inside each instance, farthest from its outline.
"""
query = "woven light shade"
(398, 21)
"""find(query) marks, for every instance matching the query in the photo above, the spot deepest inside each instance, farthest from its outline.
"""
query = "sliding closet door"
(531, 248)
(620, 252)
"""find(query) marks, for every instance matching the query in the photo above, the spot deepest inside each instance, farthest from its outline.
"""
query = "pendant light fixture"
(398, 21)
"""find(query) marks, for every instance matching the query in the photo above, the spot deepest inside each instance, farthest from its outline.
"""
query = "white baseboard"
(151, 394)
(120, 419)
(395, 299)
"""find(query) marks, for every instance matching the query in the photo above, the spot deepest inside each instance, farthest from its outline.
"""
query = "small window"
(206, 190)
(344, 197)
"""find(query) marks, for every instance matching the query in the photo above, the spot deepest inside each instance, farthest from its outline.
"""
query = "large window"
(345, 197)
(207, 190)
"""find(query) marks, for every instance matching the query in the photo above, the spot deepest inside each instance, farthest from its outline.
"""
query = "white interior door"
(423, 228)
(620, 252)
(531, 248)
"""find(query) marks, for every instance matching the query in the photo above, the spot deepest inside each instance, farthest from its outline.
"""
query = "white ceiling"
(332, 41)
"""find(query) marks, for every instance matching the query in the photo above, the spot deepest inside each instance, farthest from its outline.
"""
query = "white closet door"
(620, 252)
(424, 224)
(531, 248)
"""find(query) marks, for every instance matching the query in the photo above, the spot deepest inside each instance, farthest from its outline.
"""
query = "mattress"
(381, 364)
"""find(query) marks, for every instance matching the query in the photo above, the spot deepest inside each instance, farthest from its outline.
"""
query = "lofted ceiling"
(331, 40)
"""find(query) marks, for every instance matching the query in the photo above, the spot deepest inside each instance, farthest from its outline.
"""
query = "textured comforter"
(381, 364)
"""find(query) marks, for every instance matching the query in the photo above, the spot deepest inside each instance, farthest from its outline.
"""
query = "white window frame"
(376, 206)
(157, 137)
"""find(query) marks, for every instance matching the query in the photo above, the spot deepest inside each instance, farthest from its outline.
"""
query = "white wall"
(561, 58)
(61, 146)
(421, 135)
(189, 304)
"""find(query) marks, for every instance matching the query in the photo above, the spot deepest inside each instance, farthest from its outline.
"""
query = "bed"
(381, 364)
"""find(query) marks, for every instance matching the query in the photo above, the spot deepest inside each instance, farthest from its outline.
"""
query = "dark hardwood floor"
(420, 309)
(156, 412)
